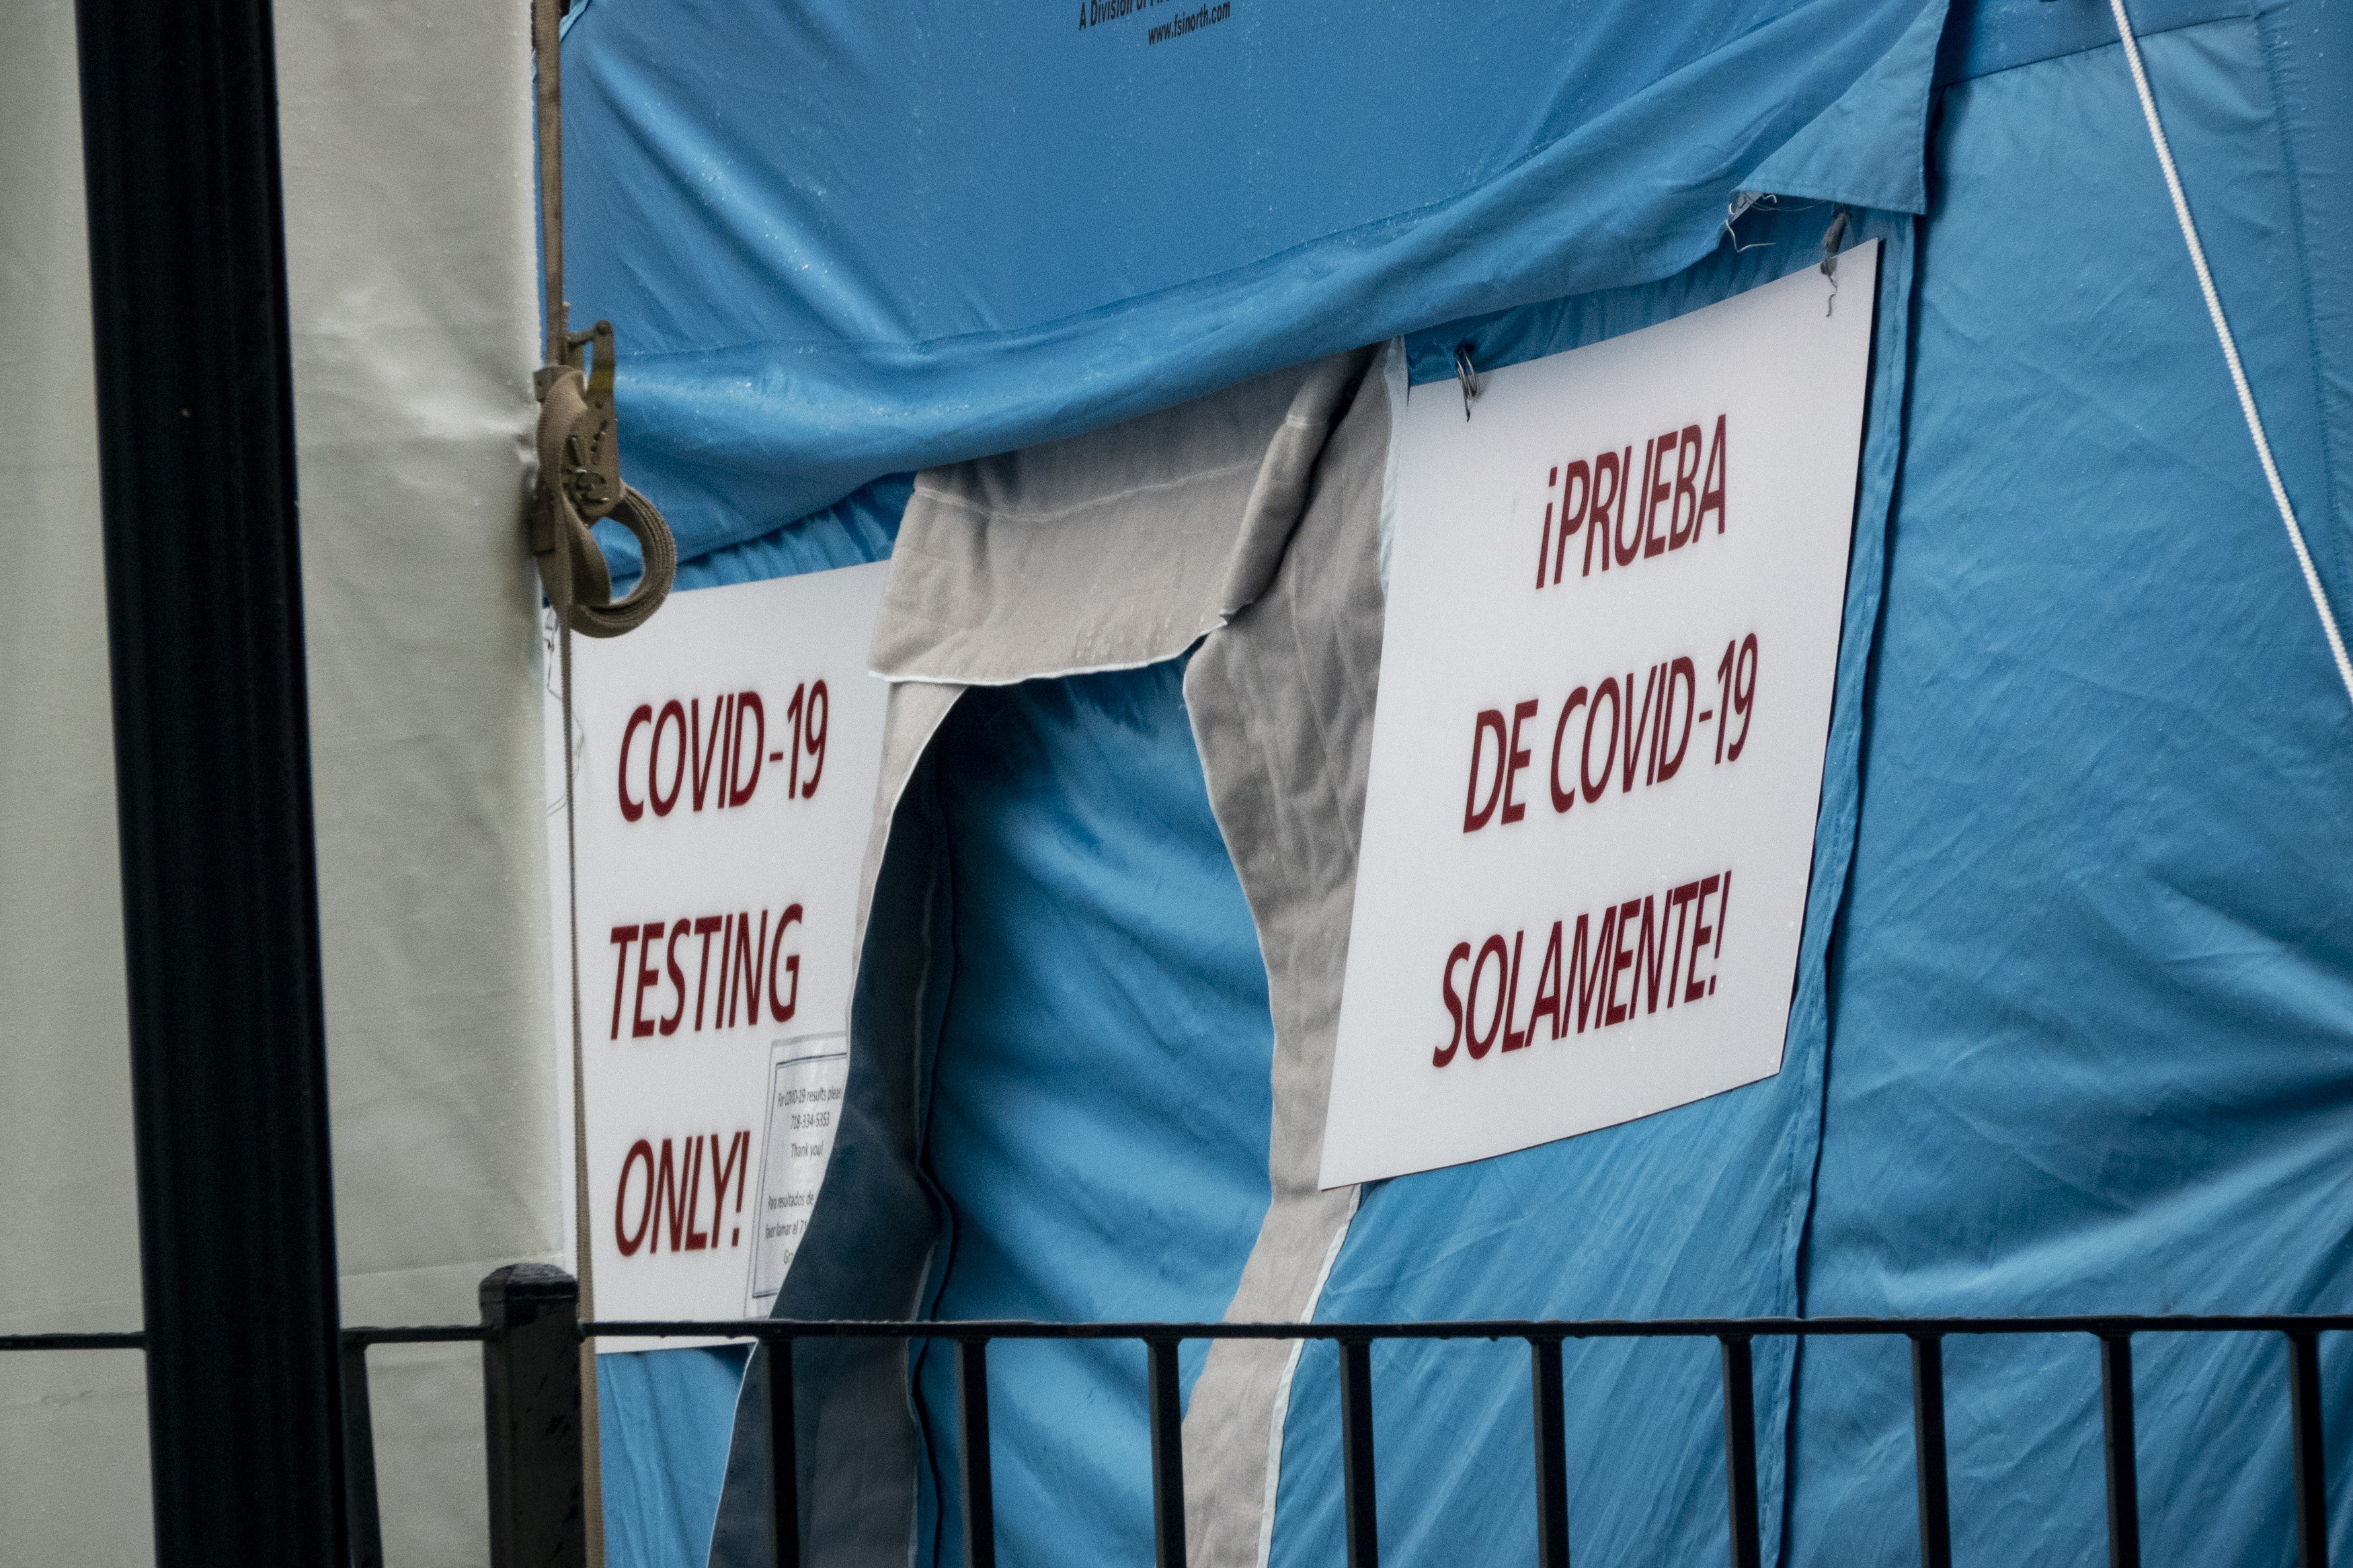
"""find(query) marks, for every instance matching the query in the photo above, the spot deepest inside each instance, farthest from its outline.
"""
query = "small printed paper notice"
(805, 1083)
(725, 756)
(1614, 605)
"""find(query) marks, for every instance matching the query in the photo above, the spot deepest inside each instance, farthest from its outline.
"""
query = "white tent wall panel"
(73, 1428)
(407, 152)
(406, 136)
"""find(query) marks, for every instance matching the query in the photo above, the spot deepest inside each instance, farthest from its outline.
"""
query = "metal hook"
(1468, 374)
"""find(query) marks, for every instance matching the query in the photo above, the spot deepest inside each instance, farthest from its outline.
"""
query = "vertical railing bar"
(2311, 1449)
(358, 1460)
(1551, 1453)
(1740, 1451)
(972, 1410)
(533, 1457)
(2117, 1437)
(1357, 1453)
(1168, 1453)
(1928, 1450)
(784, 1459)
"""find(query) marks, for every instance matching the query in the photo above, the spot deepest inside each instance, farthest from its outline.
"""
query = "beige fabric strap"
(1282, 705)
(1108, 551)
(578, 446)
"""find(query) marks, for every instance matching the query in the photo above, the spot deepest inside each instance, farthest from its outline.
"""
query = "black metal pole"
(972, 1412)
(1357, 1491)
(1162, 1387)
(533, 1462)
(2311, 1452)
(784, 1459)
(366, 1520)
(2118, 1446)
(1740, 1451)
(1551, 1453)
(1928, 1451)
(213, 781)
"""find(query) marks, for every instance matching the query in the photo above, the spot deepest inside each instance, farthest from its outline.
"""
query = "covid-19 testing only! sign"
(1614, 603)
(725, 756)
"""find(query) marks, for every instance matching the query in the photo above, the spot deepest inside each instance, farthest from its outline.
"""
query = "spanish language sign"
(1612, 629)
(725, 756)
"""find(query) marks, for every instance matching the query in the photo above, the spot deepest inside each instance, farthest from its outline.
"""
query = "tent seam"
(2315, 358)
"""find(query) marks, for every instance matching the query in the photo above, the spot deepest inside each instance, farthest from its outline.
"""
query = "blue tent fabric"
(662, 1431)
(2083, 1010)
(2094, 993)
(1099, 1113)
(811, 292)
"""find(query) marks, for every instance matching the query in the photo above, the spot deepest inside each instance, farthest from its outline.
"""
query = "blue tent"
(2073, 1017)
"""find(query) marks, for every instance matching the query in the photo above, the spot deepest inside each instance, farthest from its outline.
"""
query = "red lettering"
(705, 757)
(1608, 688)
(750, 951)
(668, 1198)
(1628, 548)
(1474, 815)
(1652, 543)
(1580, 475)
(1515, 1039)
(719, 1020)
(627, 1241)
(1521, 713)
(1621, 958)
(742, 1168)
(671, 710)
(1631, 752)
(1701, 932)
(1562, 799)
(1481, 1044)
(695, 1240)
(1650, 958)
(1544, 545)
(677, 976)
(703, 927)
(782, 1012)
(632, 809)
(1711, 494)
(622, 937)
(1585, 975)
(1680, 527)
(1445, 1053)
(1549, 1002)
(731, 1170)
(640, 1025)
(1597, 523)
(1723, 902)
(723, 712)
(739, 788)
(1682, 671)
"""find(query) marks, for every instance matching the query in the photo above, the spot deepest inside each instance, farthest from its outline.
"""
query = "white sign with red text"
(1614, 605)
(726, 756)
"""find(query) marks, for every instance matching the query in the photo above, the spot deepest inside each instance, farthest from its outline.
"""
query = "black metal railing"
(532, 1336)
(2115, 1334)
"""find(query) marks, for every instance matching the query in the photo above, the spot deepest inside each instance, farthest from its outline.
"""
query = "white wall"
(406, 127)
(73, 1428)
